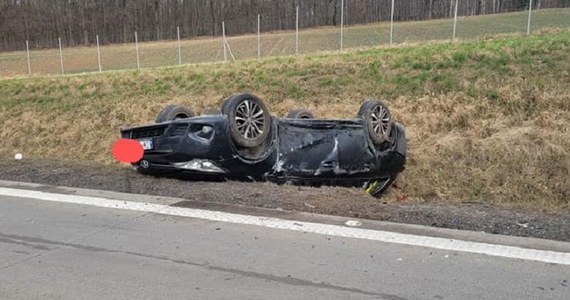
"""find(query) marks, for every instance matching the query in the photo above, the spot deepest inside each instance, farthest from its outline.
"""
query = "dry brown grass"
(487, 120)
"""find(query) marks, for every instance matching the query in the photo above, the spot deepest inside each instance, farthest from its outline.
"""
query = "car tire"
(249, 120)
(174, 112)
(300, 114)
(377, 119)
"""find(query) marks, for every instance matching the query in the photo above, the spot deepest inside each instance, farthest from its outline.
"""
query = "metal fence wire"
(300, 37)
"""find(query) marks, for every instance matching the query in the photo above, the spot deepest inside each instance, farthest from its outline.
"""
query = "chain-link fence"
(259, 44)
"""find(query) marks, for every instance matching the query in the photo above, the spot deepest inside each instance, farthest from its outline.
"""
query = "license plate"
(146, 144)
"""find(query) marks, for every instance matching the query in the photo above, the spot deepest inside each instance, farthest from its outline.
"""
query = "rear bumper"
(179, 141)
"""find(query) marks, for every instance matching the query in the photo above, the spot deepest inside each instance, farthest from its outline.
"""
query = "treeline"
(77, 22)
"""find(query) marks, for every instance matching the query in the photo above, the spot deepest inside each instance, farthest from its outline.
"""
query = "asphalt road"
(51, 250)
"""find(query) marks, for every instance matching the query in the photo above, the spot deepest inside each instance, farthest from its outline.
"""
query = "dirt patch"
(326, 200)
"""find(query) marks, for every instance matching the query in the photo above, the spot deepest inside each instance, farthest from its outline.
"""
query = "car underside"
(246, 143)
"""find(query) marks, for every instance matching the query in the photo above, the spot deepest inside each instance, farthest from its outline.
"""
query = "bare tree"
(78, 21)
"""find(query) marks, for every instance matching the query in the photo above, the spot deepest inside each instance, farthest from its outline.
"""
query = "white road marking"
(561, 258)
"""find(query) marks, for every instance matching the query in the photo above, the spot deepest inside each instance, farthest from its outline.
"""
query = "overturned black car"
(243, 141)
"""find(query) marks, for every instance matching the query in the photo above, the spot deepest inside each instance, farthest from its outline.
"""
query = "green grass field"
(487, 119)
(207, 50)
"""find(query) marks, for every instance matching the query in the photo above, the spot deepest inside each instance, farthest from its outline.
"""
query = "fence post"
(341, 23)
(297, 32)
(455, 19)
(61, 56)
(224, 42)
(179, 49)
(392, 23)
(98, 54)
(137, 49)
(258, 36)
(29, 63)
(529, 13)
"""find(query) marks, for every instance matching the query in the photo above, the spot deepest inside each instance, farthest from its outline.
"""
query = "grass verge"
(487, 120)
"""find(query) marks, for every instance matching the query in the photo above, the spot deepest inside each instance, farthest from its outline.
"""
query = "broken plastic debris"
(353, 223)
(309, 205)
(524, 225)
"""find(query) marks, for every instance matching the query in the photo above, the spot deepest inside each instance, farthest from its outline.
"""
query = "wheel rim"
(380, 120)
(250, 119)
